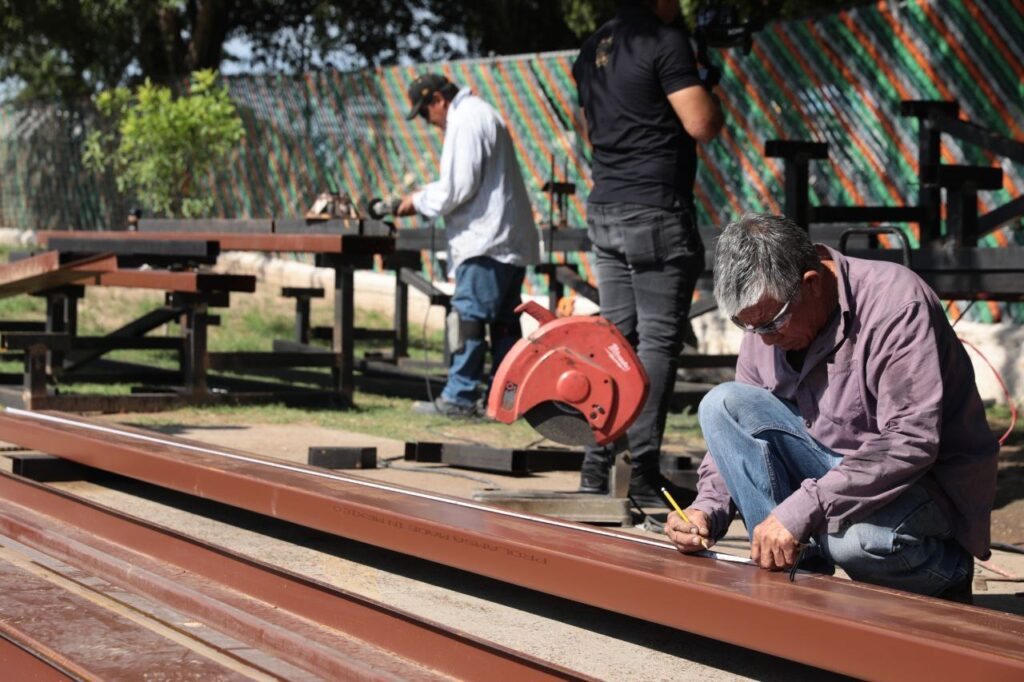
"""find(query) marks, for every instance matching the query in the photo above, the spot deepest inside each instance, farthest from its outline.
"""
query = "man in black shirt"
(646, 109)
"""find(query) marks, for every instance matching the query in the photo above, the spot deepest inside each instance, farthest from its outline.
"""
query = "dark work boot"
(594, 472)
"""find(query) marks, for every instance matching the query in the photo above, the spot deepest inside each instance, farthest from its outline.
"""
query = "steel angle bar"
(46, 271)
(184, 248)
(236, 241)
(58, 341)
(244, 226)
(980, 136)
(818, 620)
(241, 361)
(168, 280)
(867, 214)
(320, 628)
(515, 461)
(356, 226)
(1001, 215)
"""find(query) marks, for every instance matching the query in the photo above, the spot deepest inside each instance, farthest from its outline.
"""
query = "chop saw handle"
(534, 310)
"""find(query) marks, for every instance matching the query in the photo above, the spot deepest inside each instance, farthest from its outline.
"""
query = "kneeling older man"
(854, 434)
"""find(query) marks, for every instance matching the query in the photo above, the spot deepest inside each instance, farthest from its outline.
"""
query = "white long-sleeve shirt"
(480, 192)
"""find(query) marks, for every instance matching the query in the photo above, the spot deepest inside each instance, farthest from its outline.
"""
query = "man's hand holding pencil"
(687, 529)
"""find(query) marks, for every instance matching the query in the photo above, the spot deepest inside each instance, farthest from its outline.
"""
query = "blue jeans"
(764, 452)
(486, 291)
(648, 260)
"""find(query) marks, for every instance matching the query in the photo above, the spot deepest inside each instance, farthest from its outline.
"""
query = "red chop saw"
(576, 380)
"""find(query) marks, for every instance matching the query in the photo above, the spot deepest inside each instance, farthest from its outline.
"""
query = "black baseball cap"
(422, 89)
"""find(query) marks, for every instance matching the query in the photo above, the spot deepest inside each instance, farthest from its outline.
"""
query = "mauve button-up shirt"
(887, 385)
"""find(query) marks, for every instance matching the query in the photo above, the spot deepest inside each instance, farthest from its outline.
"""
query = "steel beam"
(166, 280)
(46, 271)
(18, 660)
(134, 329)
(241, 361)
(240, 226)
(103, 344)
(240, 241)
(84, 640)
(328, 631)
(818, 620)
(111, 243)
(514, 461)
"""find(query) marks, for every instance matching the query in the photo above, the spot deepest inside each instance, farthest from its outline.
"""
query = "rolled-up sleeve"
(903, 376)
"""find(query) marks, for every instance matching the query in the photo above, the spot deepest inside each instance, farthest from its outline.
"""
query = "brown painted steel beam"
(87, 640)
(848, 627)
(325, 630)
(17, 660)
(46, 271)
(167, 280)
(236, 241)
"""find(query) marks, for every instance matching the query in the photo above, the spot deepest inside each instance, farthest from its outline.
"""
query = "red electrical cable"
(1002, 384)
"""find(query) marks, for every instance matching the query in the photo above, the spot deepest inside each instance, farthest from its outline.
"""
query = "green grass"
(682, 431)
(5, 249)
(23, 308)
(373, 415)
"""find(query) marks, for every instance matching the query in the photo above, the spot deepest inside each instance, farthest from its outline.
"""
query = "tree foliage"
(157, 144)
(76, 48)
(584, 16)
(56, 48)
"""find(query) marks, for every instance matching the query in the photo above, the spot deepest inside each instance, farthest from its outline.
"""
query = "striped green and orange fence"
(836, 78)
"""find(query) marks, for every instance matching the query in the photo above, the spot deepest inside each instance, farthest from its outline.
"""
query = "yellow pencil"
(682, 514)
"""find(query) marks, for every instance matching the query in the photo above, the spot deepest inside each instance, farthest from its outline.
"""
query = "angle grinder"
(378, 208)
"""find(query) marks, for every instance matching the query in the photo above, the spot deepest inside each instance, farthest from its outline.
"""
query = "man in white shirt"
(489, 227)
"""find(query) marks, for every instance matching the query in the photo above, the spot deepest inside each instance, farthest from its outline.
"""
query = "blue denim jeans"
(648, 260)
(488, 291)
(764, 452)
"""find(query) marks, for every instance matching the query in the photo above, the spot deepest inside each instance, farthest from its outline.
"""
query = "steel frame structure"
(196, 293)
(951, 264)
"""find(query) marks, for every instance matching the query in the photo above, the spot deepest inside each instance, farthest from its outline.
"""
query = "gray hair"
(758, 255)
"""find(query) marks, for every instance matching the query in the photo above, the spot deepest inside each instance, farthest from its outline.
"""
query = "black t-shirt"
(624, 72)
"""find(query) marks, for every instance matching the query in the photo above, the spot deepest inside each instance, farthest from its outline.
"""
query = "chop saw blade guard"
(576, 380)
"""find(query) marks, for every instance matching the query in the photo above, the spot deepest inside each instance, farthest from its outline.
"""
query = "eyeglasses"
(424, 113)
(780, 320)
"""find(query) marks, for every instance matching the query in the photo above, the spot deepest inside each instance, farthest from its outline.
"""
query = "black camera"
(719, 25)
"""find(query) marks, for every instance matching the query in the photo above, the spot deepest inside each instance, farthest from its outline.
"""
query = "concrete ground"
(601, 644)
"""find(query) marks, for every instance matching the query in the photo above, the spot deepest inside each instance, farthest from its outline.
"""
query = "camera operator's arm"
(694, 104)
(699, 112)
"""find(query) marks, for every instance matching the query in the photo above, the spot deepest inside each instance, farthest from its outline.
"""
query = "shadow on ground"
(181, 429)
